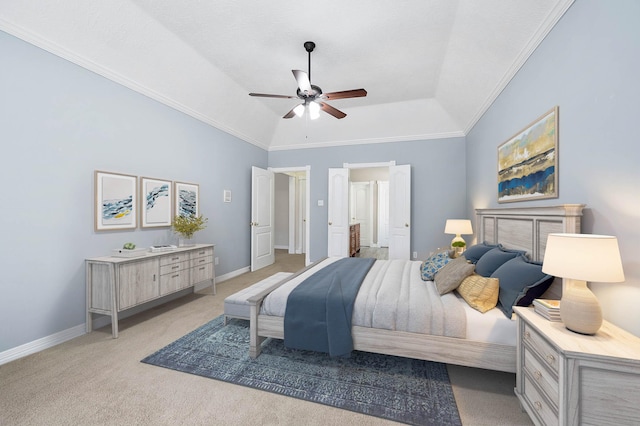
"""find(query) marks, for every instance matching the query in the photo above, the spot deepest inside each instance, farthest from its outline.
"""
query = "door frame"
(307, 219)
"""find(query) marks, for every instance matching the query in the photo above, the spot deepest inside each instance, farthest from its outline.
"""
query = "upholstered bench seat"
(237, 305)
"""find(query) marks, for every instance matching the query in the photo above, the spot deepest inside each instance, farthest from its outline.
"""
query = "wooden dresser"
(565, 378)
(354, 239)
(115, 284)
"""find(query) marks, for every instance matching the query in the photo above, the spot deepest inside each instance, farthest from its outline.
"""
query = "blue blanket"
(318, 312)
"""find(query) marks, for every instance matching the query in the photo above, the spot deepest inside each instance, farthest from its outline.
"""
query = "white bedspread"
(392, 297)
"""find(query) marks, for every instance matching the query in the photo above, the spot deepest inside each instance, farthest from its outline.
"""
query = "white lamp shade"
(458, 227)
(585, 257)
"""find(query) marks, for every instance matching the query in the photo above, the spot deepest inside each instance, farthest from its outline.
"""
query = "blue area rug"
(395, 388)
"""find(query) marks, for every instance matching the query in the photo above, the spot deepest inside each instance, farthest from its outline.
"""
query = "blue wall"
(59, 123)
(438, 179)
(588, 65)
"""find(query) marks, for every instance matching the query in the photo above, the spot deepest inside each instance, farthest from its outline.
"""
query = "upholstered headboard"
(527, 229)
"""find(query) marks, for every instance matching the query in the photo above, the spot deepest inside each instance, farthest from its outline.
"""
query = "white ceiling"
(430, 67)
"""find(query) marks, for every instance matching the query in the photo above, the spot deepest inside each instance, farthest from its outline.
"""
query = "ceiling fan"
(312, 96)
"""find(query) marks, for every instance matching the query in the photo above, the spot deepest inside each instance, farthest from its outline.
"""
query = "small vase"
(186, 242)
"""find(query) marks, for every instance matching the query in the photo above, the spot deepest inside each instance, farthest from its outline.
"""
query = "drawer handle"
(202, 252)
(175, 258)
(175, 276)
(201, 260)
(538, 405)
(537, 375)
(175, 267)
(202, 268)
(551, 359)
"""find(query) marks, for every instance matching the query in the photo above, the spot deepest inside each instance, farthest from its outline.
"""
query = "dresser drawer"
(539, 345)
(538, 373)
(201, 273)
(208, 251)
(173, 258)
(174, 281)
(198, 261)
(541, 408)
(174, 267)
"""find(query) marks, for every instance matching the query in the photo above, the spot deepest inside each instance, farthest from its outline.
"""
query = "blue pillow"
(520, 282)
(474, 253)
(493, 259)
(433, 264)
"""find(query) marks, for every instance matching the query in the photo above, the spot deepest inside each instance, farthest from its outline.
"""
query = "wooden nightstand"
(565, 378)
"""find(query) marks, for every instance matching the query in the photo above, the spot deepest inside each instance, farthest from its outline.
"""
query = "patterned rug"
(395, 388)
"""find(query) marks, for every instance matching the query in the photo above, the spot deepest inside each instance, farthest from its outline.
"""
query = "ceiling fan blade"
(265, 95)
(290, 114)
(356, 93)
(331, 110)
(303, 80)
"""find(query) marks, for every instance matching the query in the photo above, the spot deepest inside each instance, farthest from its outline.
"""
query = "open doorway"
(340, 219)
(292, 210)
(369, 208)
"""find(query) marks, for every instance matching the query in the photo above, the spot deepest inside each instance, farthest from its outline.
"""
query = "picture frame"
(187, 199)
(156, 202)
(528, 161)
(115, 201)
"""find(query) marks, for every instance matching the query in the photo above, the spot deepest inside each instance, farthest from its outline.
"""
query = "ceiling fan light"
(299, 110)
(314, 110)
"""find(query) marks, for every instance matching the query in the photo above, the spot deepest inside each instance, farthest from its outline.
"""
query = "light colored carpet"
(95, 379)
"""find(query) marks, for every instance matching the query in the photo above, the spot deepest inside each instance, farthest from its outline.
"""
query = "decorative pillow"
(521, 281)
(433, 264)
(480, 293)
(452, 274)
(475, 252)
(493, 259)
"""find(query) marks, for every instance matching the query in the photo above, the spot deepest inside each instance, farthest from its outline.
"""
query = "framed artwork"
(156, 202)
(187, 199)
(528, 162)
(115, 201)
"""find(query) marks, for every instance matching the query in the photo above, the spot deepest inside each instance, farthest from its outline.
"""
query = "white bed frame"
(521, 228)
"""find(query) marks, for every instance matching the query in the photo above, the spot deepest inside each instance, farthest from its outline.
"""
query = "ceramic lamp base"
(579, 308)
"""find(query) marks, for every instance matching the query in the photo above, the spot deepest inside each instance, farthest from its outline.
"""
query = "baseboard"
(41, 344)
(281, 247)
(232, 274)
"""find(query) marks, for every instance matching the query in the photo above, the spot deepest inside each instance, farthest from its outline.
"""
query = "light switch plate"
(320, 203)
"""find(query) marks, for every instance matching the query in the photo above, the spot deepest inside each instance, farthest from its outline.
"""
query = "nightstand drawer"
(173, 258)
(542, 409)
(539, 345)
(542, 376)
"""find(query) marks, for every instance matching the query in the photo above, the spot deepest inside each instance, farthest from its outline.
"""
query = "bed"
(488, 339)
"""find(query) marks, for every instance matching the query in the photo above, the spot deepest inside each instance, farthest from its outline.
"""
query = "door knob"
(330, 223)
(406, 225)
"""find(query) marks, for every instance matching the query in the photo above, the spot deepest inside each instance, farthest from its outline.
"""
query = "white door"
(302, 215)
(262, 218)
(383, 213)
(338, 213)
(361, 210)
(400, 212)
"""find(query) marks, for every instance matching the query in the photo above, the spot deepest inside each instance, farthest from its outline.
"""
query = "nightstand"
(565, 378)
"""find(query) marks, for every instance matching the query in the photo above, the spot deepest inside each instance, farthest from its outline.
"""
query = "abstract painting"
(155, 202)
(528, 162)
(187, 199)
(115, 201)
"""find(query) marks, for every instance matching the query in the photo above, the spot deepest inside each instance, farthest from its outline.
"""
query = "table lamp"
(579, 258)
(458, 227)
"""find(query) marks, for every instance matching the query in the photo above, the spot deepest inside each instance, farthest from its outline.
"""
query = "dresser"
(565, 378)
(115, 284)
(354, 239)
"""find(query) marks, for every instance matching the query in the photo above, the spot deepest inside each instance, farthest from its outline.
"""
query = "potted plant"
(458, 248)
(186, 226)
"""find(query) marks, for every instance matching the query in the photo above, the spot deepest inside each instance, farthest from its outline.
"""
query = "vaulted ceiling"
(431, 67)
